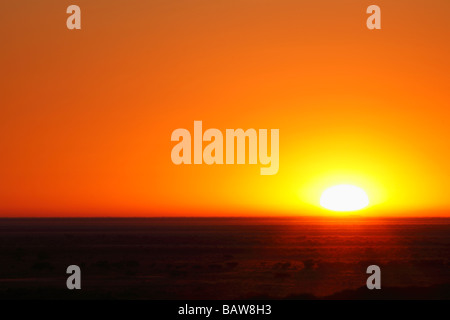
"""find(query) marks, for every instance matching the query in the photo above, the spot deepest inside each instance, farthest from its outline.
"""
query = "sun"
(344, 197)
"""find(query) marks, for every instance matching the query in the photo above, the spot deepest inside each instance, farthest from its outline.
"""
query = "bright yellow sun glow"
(344, 197)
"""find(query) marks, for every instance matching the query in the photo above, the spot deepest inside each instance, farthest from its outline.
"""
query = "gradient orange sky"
(86, 116)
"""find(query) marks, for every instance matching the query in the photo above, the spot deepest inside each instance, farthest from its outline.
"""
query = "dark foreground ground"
(225, 258)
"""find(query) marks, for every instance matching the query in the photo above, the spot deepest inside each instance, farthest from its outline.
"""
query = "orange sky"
(86, 116)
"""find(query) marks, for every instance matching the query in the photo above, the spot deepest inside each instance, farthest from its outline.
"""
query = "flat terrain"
(225, 258)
